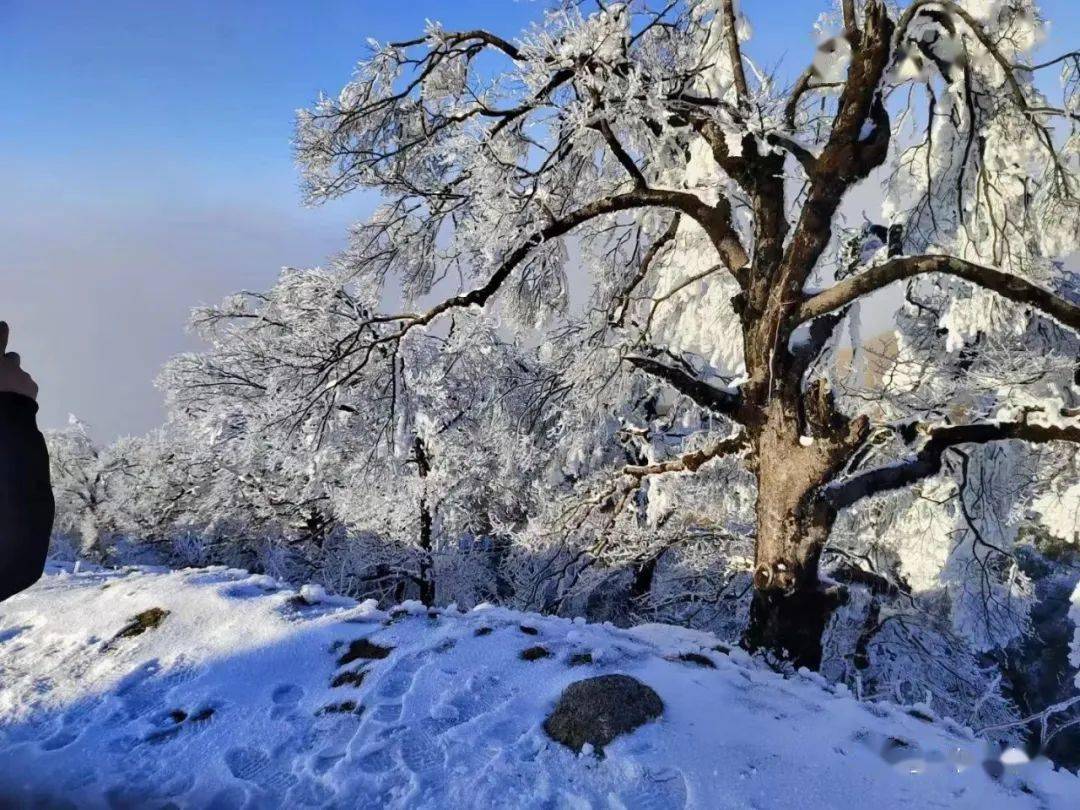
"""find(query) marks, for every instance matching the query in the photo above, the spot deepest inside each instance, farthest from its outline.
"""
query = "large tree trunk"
(801, 442)
(790, 608)
(790, 626)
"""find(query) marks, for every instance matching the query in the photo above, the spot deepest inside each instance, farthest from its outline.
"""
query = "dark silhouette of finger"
(14, 358)
(4, 333)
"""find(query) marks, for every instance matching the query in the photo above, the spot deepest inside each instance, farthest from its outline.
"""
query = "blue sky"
(147, 165)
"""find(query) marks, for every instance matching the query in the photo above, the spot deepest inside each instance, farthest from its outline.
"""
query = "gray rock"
(597, 710)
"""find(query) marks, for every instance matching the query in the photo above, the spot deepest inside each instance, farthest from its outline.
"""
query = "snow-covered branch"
(927, 460)
(707, 396)
(875, 278)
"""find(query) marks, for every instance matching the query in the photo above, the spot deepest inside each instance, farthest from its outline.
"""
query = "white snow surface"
(225, 704)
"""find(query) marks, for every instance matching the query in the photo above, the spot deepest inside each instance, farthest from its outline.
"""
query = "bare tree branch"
(805, 157)
(1048, 63)
(802, 85)
(621, 154)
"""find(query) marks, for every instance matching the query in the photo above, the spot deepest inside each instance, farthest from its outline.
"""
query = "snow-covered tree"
(397, 481)
(707, 200)
(84, 480)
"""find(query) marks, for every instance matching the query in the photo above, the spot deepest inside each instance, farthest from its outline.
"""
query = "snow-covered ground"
(230, 701)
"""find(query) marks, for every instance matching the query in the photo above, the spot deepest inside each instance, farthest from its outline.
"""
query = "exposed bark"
(792, 525)
(731, 39)
(851, 24)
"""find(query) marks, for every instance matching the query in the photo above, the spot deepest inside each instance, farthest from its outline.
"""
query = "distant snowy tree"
(706, 200)
(84, 478)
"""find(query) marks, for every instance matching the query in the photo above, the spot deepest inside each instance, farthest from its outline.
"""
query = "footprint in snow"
(168, 725)
(386, 795)
(79, 715)
(505, 733)
(309, 793)
(436, 726)
(657, 790)
(285, 698)
(395, 685)
(140, 700)
(246, 590)
(400, 679)
(319, 731)
(420, 754)
(178, 675)
(387, 712)
(320, 763)
(124, 744)
(62, 739)
(330, 738)
(481, 696)
(247, 763)
(377, 761)
(122, 797)
(135, 679)
(254, 765)
(145, 689)
(141, 787)
(79, 780)
(227, 799)
(287, 693)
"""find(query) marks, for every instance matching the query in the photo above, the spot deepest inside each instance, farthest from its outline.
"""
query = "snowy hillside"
(230, 690)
